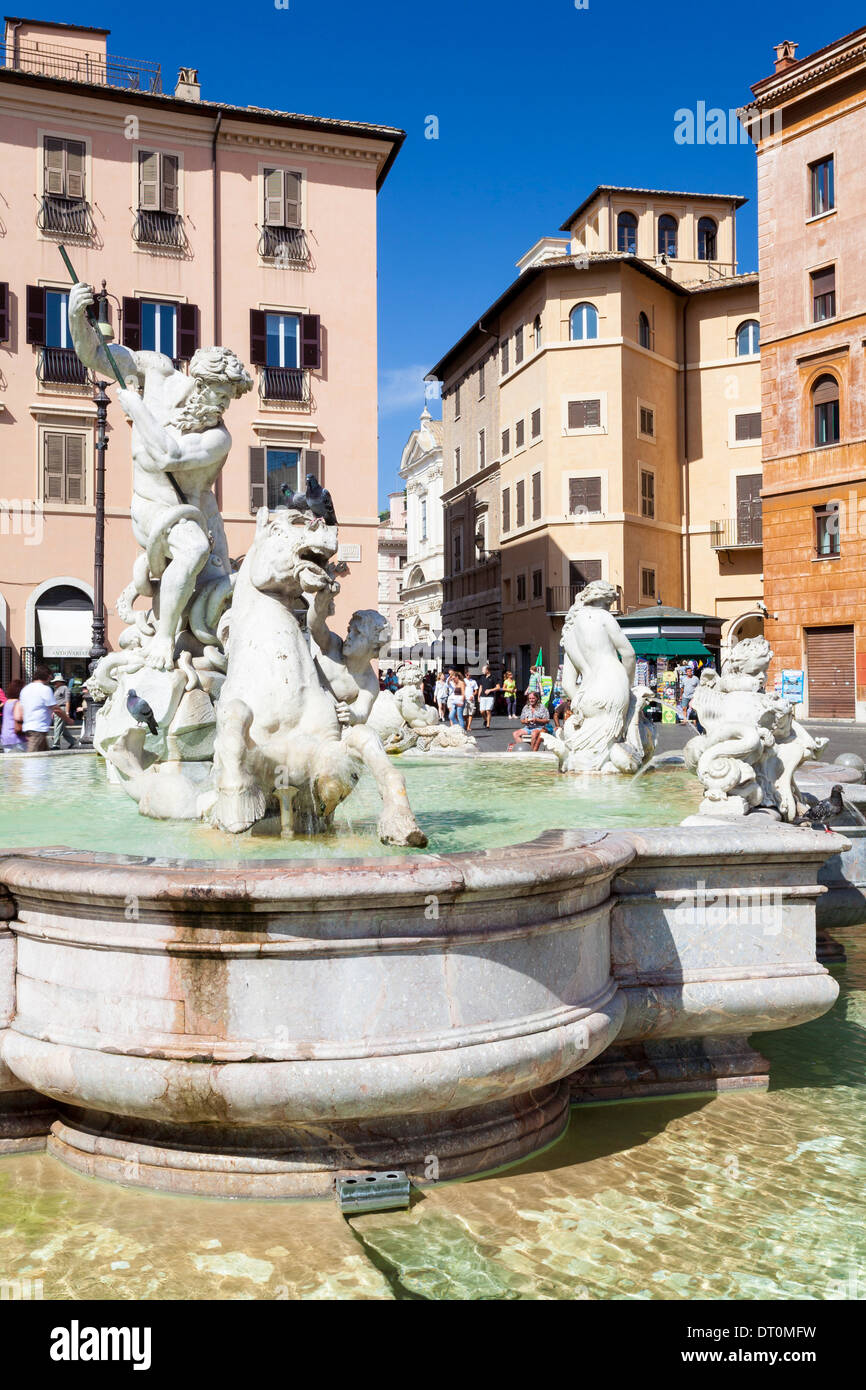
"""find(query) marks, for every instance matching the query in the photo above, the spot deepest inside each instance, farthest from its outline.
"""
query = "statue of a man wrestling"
(179, 446)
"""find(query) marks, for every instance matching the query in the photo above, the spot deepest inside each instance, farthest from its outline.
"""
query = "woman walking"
(509, 690)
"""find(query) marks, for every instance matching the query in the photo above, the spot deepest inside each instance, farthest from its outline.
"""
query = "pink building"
(210, 223)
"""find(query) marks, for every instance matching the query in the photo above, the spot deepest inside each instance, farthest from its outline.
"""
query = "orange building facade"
(809, 120)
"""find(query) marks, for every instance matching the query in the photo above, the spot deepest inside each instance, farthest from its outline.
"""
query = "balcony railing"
(77, 65)
(69, 217)
(61, 367)
(284, 245)
(161, 229)
(560, 597)
(732, 534)
(290, 384)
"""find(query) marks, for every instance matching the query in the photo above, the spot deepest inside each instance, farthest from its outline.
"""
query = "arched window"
(643, 330)
(748, 338)
(706, 239)
(536, 331)
(416, 577)
(626, 233)
(667, 236)
(825, 409)
(583, 322)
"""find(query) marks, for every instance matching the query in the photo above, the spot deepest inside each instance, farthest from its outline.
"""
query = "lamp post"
(98, 648)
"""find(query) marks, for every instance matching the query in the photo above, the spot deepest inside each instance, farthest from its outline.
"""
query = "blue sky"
(536, 104)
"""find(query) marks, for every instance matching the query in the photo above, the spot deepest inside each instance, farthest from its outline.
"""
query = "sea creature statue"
(752, 744)
(608, 730)
(403, 721)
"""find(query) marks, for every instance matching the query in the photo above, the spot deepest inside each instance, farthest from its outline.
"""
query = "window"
(825, 405)
(506, 509)
(581, 573)
(583, 322)
(480, 535)
(667, 242)
(646, 421)
(827, 530)
(48, 328)
(4, 311)
(584, 495)
(457, 551)
(159, 328)
(423, 508)
(823, 294)
(506, 442)
(283, 340)
(506, 591)
(457, 403)
(706, 239)
(536, 329)
(749, 510)
(518, 345)
(503, 356)
(519, 434)
(647, 493)
(535, 429)
(644, 333)
(63, 464)
(536, 496)
(519, 504)
(158, 222)
(584, 415)
(747, 427)
(57, 319)
(626, 233)
(283, 471)
(748, 338)
(537, 579)
(823, 193)
(647, 583)
(64, 199)
(271, 469)
(481, 448)
(282, 191)
(457, 465)
(480, 381)
(521, 588)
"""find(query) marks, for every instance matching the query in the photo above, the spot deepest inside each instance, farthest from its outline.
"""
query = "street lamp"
(98, 648)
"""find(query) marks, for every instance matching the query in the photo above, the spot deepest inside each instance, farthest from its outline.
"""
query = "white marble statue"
(607, 730)
(752, 744)
(403, 720)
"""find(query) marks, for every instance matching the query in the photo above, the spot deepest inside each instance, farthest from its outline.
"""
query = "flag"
(539, 660)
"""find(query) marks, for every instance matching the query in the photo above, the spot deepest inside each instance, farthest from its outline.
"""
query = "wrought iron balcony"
(284, 245)
(291, 384)
(160, 229)
(560, 597)
(77, 65)
(69, 217)
(61, 366)
(733, 534)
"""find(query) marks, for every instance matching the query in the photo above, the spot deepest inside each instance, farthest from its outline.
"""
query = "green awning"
(667, 646)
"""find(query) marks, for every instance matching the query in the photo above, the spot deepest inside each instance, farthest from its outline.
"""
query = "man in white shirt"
(39, 706)
(471, 692)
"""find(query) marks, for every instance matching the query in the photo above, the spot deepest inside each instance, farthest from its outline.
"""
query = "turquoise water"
(740, 1196)
(462, 805)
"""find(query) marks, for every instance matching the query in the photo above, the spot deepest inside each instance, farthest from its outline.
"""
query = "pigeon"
(319, 501)
(821, 812)
(297, 501)
(141, 712)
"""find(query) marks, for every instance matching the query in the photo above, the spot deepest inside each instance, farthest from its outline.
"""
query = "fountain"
(218, 1012)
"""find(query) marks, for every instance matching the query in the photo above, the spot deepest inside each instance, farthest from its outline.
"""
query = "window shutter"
(75, 151)
(536, 423)
(536, 496)
(584, 571)
(311, 341)
(187, 331)
(826, 390)
(748, 426)
(54, 453)
(506, 441)
(293, 199)
(504, 357)
(74, 467)
(258, 479)
(35, 315)
(593, 496)
(273, 197)
(519, 434)
(518, 504)
(313, 463)
(518, 345)
(592, 415)
(824, 281)
(169, 167)
(53, 181)
(575, 415)
(506, 509)
(4, 312)
(132, 324)
(148, 180)
(258, 339)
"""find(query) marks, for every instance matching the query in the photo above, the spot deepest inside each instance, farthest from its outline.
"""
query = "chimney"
(786, 54)
(188, 86)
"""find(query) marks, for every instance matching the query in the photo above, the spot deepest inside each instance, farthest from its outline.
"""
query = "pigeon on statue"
(297, 501)
(319, 501)
(822, 812)
(141, 712)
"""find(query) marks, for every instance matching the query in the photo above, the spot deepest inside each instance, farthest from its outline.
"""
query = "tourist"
(440, 695)
(535, 718)
(561, 712)
(12, 739)
(487, 694)
(689, 686)
(39, 706)
(59, 729)
(509, 690)
(471, 691)
(391, 681)
(456, 697)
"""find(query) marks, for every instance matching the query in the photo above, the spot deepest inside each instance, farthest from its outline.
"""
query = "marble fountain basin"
(253, 1028)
